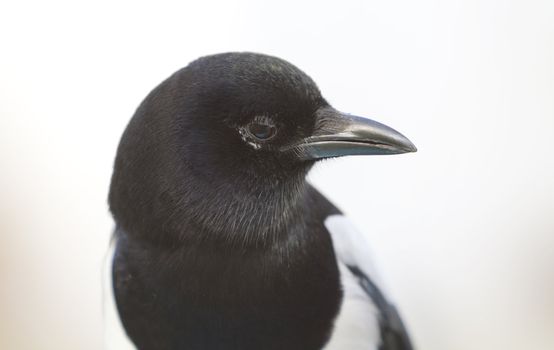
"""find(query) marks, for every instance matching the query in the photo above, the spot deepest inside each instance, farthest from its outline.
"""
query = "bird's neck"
(245, 213)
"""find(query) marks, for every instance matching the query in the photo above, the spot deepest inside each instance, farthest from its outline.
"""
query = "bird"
(220, 242)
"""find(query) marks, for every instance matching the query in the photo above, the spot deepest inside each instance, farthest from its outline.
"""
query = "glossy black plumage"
(221, 243)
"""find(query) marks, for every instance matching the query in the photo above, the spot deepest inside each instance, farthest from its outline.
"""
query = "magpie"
(220, 242)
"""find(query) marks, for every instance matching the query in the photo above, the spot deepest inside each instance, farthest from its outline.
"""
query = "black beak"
(338, 134)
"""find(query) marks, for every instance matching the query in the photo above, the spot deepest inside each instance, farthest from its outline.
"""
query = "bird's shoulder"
(367, 319)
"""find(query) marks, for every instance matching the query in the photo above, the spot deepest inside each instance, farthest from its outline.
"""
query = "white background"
(463, 231)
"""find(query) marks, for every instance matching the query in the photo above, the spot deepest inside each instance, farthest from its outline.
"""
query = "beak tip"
(411, 148)
(405, 144)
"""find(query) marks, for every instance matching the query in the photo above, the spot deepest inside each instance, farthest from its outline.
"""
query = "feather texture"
(367, 320)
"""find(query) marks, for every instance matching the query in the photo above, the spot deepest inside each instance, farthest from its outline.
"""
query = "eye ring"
(262, 131)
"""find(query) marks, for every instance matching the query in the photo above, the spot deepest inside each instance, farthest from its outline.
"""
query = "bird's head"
(234, 128)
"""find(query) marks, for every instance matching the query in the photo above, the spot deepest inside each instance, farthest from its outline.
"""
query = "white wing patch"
(357, 325)
(352, 247)
(115, 337)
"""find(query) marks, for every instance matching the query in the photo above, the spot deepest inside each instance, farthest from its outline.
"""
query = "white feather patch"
(352, 247)
(357, 324)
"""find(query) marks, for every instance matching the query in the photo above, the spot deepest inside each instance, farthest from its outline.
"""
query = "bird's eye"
(262, 132)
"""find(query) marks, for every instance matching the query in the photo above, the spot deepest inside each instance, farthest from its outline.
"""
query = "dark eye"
(262, 131)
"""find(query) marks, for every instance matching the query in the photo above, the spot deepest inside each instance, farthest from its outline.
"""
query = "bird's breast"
(208, 298)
